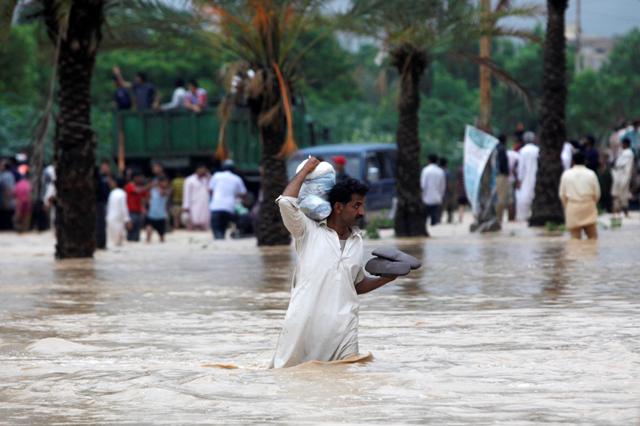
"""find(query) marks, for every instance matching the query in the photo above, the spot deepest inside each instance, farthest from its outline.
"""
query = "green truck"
(181, 139)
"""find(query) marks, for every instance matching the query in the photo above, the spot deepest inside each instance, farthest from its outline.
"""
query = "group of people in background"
(593, 179)
(201, 201)
(602, 178)
(141, 95)
(21, 208)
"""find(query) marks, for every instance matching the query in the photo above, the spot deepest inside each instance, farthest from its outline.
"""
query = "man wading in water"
(321, 323)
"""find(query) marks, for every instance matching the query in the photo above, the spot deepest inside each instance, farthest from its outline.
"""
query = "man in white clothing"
(322, 319)
(195, 199)
(117, 213)
(433, 183)
(579, 192)
(527, 169)
(177, 98)
(226, 187)
(566, 155)
(621, 174)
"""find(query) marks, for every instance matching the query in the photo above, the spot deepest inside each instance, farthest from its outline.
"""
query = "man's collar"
(354, 230)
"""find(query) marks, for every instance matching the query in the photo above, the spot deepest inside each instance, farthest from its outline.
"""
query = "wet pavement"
(513, 328)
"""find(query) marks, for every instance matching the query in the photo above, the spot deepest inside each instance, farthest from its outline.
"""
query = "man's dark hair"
(142, 76)
(343, 190)
(591, 141)
(433, 158)
(502, 138)
(626, 142)
(120, 182)
(578, 158)
(179, 82)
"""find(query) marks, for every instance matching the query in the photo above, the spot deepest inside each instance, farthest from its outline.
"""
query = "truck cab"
(373, 163)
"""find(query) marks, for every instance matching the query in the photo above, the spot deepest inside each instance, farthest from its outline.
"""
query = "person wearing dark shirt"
(144, 93)
(340, 163)
(591, 154)
(103, 187)
(121, 97)
(502, 177)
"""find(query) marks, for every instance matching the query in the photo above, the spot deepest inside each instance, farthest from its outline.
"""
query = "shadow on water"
(412, 285)
(277, 265)
(74, 289)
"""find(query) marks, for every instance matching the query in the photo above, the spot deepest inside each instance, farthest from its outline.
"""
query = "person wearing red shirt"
(137, 195)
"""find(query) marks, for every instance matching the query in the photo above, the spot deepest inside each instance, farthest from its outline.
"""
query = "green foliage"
(371, 231)
(25, 66)
(553, 227)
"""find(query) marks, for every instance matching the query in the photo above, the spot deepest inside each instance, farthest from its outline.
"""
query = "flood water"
(510, 329)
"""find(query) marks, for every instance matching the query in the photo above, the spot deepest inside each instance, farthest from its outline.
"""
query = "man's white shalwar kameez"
(621, 174)
(527, 169)
(195, 198)
(322, 319)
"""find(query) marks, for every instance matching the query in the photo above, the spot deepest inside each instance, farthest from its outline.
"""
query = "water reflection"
(554, 263)
(74, 289)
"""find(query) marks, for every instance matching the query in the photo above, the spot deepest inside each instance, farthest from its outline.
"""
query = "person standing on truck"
(144, 93)
(178, 99)
(196, 99)
(226, 187)
(195, 199)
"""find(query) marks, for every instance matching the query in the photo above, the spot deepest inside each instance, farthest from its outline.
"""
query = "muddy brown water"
(509, 329)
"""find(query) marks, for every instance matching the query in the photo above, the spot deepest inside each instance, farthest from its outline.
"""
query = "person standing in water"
(321, 323)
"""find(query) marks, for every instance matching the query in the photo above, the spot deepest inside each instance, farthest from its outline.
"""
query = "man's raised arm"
(292, 217)
(293, 188)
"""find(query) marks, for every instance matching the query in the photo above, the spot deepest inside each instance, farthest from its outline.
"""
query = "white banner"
(478, 147)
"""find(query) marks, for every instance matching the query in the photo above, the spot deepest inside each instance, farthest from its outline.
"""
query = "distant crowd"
(132, 204)
(611, 185)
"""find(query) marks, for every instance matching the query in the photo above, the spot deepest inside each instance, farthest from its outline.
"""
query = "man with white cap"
(527, 169)
(226, 187)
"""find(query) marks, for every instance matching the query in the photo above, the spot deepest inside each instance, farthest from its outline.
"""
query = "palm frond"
(502, 75)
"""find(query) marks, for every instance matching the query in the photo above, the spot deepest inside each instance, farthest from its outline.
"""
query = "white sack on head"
(314, 193)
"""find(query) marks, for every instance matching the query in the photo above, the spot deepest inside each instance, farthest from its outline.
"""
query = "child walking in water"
(157, 214)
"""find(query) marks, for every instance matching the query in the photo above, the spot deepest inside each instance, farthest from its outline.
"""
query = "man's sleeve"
(242, 189)
(562, 191)
(186, 195)
(293, 218)
(360, 275)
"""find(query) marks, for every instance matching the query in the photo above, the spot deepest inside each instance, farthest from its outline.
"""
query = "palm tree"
(489, 28)
(415, 33)
(75, 28)
(7, 8)
(264, 36)
(546, 204)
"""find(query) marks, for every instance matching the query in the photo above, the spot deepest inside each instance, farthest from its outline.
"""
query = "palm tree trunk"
(7, 8)
(410, 62)
(484, 121)
(546, 204)
(270, 229)
(75, 142)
